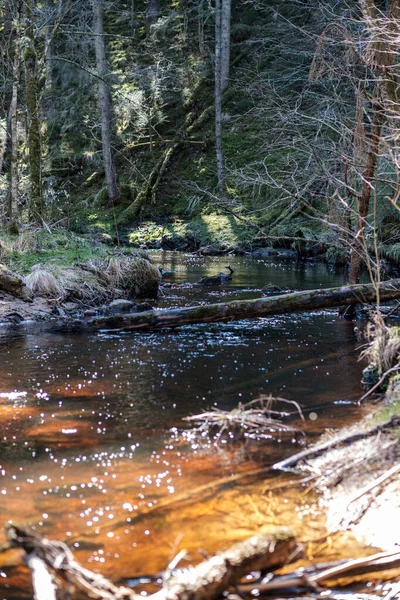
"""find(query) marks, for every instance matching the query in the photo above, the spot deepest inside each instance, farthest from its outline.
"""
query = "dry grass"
(383, 350)
(256, 419)
(96, 281)
(135, 274)
(41, 282)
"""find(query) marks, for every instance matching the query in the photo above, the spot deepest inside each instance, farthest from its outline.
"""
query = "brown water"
(91, 450)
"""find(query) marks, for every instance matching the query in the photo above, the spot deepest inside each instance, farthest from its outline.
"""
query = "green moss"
(22, 252)
(219, 230)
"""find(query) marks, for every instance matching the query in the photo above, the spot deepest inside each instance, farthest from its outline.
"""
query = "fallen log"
(249, 309)
(206, 581)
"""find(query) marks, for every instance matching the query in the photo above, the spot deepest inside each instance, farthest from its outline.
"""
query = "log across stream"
(248, 309)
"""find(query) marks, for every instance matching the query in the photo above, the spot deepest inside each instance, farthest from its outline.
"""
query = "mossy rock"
(10, 282)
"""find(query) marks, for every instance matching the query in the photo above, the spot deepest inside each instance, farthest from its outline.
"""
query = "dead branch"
(319, 449)
(206, 581)
(255, 418)
(313, 576)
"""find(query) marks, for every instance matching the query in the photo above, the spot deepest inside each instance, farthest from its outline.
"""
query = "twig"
(346, 439)
(314, 576)
(368, 488)
(382, 379)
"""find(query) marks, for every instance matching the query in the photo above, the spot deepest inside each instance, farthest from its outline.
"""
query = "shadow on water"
(86, 449)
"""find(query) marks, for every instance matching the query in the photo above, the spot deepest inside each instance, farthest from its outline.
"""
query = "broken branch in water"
(256, 418)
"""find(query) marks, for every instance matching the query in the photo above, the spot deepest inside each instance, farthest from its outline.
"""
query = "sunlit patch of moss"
(219, 230)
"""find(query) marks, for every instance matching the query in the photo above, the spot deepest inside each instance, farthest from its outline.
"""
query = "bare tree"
(225, 42)
(12, 208)
(104, 99)
(152, 12)
(36, 200)
(218, 99)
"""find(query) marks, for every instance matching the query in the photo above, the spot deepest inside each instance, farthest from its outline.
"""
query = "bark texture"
(12, 208)
(225, 42)
(104, 99)
(152, 13)
(358, 250)
(248, 309)
(36, 201)
(218, 99)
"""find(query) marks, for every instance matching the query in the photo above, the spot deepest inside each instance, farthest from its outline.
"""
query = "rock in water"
(272, 290)
(121, 305)
(217, 279)
(10, 283)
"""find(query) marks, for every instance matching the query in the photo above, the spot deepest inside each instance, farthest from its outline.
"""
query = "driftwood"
(206, 581)
(256, 417)
(55, 559)
(247, 309)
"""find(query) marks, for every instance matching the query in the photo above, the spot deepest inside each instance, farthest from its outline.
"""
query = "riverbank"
(356, 474)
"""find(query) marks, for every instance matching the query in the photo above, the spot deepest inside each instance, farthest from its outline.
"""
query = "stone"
(10, 282)
(121, 305)
(272, 290)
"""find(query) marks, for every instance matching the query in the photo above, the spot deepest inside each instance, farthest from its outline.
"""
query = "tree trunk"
(225, 42)
(49, 46)
(249, 309)
(36, 201)
(358, 248)
(104, 100)
(7, 17)
(12, 208)
(218, 99)
(152, 13)
(133, 21)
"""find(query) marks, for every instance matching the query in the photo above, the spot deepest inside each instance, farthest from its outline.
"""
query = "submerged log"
(249, 309)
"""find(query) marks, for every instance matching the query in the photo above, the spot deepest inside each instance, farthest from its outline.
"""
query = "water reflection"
(85, 451)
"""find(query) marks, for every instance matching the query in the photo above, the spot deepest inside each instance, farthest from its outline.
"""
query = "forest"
(184, 124)
(199, 298)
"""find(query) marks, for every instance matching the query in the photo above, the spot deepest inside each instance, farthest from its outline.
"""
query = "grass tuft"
(41, 282)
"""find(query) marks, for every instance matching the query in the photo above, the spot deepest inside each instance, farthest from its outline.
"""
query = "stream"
(92, 450)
